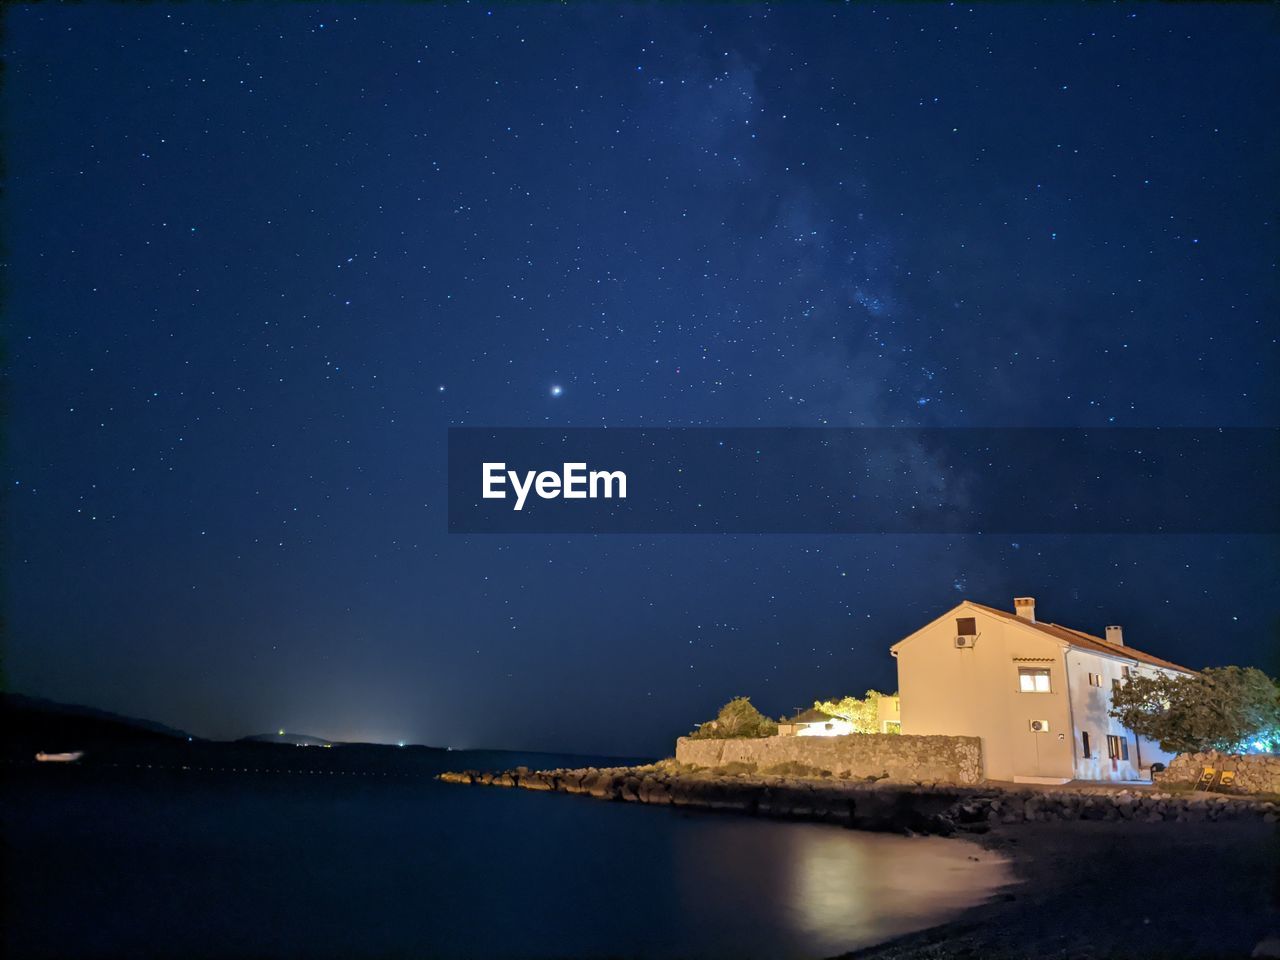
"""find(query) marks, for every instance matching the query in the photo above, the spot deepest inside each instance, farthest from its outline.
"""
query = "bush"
(862, 715)
(737, 719)
(793, 768)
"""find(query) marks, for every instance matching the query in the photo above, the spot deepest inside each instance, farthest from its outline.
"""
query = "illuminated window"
(1033, 680)
(1117, 747)
(1084, 742)
(1095, 679)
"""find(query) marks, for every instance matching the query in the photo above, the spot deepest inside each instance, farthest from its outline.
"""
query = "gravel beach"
(1093, 890)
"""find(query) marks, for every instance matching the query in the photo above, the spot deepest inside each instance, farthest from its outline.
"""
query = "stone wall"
(896, 756)
(1255, 773)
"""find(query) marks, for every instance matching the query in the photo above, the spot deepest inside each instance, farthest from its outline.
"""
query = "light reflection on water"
(830, 889)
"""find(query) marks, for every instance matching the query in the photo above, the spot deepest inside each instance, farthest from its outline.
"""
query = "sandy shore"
(1102, 890)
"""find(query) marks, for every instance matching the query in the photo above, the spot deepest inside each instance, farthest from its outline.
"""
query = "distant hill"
(290, 739)
(33, 723)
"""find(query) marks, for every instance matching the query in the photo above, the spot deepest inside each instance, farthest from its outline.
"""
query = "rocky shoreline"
(885, 805)
(1086, 859)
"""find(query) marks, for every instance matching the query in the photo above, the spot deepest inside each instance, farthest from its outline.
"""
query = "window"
(966, 626)
(1117, 747)
(1033, 680)
(1095, 679)
(1084, 741)
(1115, 683)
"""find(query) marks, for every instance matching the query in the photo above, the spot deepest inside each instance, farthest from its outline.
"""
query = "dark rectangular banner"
(863, 480)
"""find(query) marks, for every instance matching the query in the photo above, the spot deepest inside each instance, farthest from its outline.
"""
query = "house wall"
(888, 710)
(926, 759)
(974, 693)
(1090, 708)
(834, 727)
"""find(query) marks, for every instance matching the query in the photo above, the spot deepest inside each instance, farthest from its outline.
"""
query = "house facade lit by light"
(815, 723)
(1037, 694)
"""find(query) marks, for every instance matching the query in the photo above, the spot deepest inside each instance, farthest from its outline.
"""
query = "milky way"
(262, 257)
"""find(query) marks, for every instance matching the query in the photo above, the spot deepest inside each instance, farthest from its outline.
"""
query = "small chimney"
(1115, 635)
(1025, 607)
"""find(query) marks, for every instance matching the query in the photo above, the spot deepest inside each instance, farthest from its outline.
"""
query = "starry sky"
(262, 257)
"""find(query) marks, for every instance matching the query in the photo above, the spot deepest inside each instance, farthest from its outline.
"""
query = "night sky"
(261, 257)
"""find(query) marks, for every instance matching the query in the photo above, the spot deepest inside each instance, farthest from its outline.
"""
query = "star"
(556, 390)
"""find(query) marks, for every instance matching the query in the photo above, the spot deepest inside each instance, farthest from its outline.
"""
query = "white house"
(814, 723)
(1037, 694)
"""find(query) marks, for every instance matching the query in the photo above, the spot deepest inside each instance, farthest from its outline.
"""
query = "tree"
(737, 719)
(863, 715)
(1221, 708)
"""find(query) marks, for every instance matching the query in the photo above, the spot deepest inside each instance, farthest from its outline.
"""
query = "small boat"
(59, 757)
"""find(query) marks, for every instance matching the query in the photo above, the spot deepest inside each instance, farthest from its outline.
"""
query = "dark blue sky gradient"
(262, 256)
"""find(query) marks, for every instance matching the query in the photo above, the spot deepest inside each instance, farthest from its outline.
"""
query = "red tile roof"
(1085, 641)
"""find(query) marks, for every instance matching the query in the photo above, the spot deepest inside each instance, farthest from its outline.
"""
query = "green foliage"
(793, 768)
(1222, 708)
(737, 719)
(862, 714)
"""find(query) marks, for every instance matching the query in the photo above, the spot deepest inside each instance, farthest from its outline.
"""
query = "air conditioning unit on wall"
(1040, 726)
(965, 643)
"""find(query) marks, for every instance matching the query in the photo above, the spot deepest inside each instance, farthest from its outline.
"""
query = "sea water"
(138, 863)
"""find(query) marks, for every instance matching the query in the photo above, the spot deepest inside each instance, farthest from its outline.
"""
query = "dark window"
(967, 626)
(1084, 739)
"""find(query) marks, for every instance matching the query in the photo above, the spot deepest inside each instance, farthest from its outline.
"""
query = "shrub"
(737, 719)
(794, 768)
(862, 714)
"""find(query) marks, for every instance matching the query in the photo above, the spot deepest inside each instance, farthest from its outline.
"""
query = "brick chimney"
(1115, 635)
(1025, 607)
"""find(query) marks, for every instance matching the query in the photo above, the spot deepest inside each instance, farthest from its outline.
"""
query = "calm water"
(156, 863)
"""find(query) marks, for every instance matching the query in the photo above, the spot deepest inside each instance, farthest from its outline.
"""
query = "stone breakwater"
(941, 809)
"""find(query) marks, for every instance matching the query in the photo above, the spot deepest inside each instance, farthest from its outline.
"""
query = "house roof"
(811, 715)
(1078, 638)
(1087, 641)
